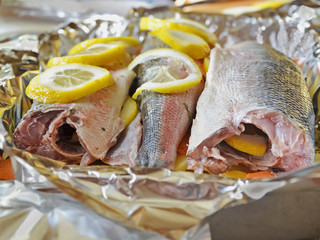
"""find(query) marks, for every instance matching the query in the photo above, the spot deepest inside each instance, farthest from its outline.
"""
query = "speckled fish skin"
(166, 119)
(251, 83)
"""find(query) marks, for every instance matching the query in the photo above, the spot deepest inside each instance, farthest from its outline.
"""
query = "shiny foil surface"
(52, 200)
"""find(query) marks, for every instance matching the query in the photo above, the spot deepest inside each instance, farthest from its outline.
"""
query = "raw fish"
(252, 84)
(81, 131)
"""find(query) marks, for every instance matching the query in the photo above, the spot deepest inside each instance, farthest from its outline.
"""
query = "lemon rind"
(109, 58)
(196, 49)
(147, 23)
(180, 86)
(125, 41)
(159, 53)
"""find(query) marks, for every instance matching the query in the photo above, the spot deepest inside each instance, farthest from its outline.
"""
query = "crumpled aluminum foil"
(155, 203)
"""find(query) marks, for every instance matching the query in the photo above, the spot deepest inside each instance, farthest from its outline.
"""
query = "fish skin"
(251, 83)
(166, 118)
(95, 118)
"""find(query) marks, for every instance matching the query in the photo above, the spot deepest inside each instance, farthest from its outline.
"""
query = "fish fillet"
(252, 84)
(81, 131)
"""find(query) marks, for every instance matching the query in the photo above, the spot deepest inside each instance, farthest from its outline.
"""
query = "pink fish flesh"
(125, 151)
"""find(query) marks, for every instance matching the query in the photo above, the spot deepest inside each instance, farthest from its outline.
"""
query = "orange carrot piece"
(6, 171)
(261, 174)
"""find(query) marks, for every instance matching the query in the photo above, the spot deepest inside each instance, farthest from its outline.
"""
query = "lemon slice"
(181, 163)
(125, 41)
(103, 55)
(163, 78)
(206, 62)
(129, 111)
(234, 174)
(66, 83)
(252, 144)
(182, 24)
(189, 22)
(188, 43)
(270, 4)
(210, 37)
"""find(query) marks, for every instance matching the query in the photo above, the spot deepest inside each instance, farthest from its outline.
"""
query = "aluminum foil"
(49, 196)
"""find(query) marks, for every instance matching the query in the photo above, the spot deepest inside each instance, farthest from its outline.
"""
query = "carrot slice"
(261, 174)
(6, 171)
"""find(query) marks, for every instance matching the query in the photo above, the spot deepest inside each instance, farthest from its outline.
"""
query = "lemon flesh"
(125, 41)
(103, 55)
(252, 144)
(185, 25)
(129, 111)
(188, 43)
(163, 79)
(66, 83)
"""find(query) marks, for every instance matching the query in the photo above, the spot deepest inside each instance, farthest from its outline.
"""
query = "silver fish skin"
(251, 83)
(166, 119)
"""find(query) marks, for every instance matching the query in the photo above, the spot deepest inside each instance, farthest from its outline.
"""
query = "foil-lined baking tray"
(49, 196)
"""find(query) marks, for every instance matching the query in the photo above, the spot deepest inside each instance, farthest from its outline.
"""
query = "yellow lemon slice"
(103, 55)
(234, 174)
(252, 144)
(194, 24)
(66, 83)
(270, 4)
(188, 43)
(166, 78)
(206, 62)
(125, 41)
(181, 163)
(129, 111)
(182, 24)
